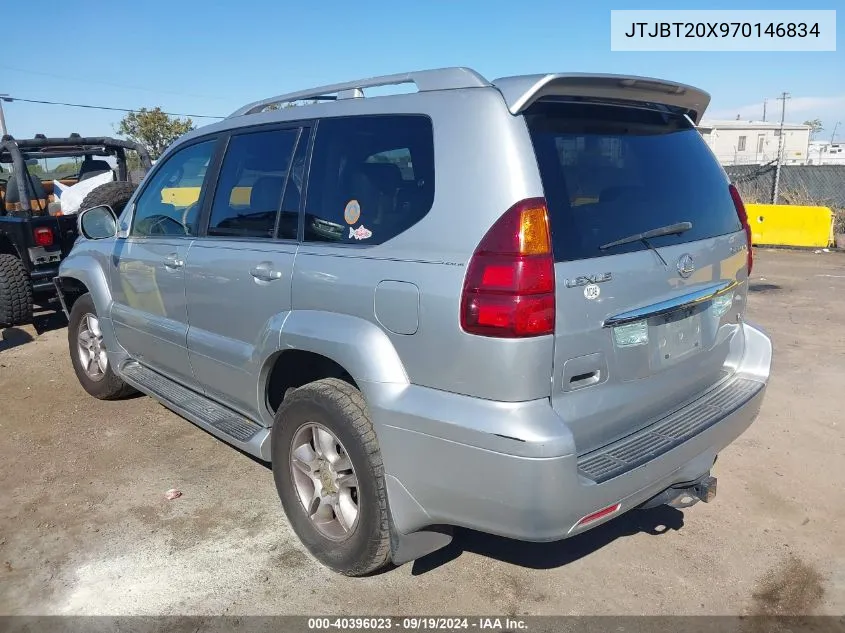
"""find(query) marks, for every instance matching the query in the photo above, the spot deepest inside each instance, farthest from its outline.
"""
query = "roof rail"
(425, 80)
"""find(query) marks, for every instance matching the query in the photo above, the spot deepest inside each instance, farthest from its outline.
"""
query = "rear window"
(611, 171)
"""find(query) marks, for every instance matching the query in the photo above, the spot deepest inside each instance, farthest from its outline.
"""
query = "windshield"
(58, 167)
(610, 172)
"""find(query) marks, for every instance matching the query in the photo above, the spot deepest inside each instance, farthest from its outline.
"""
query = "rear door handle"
(265, 272)
(173, 261)
(585, 380)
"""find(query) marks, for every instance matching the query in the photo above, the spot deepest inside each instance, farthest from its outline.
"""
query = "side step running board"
(218, 420)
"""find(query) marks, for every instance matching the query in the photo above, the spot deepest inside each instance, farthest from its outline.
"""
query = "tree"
(133, 161)
(288, 104)
(66, 168)
(153, 129)
(815, 127)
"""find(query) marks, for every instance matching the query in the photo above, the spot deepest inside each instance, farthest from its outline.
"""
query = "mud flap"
(407, 547)
(57, 282)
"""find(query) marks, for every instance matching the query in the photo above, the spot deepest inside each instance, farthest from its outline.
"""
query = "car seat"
(35, 191)
(90, 168)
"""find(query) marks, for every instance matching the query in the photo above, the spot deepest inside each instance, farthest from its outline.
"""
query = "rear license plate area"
(676, 336)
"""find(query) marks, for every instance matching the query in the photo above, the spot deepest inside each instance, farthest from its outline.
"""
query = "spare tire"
(15, 292)
(115, 194)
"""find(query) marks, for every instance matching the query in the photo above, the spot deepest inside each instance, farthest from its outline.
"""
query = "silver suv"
(514, 306)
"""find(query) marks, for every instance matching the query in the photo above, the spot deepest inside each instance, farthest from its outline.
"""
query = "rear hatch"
(644, 325)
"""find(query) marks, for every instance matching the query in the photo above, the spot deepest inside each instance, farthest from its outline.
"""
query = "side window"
(371, 178)
(251, 185)
(169, 205)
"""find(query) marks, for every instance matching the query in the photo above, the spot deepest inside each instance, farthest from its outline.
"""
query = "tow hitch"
(685, 495)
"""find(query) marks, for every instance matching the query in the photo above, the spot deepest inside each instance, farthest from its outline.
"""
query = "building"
(756, 142)
(826, 153)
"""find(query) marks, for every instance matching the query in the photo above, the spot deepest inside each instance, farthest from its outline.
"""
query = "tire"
(339, 408)
(15, 292)
(115, 194)
(106, 386)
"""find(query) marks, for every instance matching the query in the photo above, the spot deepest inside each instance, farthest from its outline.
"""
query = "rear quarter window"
(371, 178)
(611, 171)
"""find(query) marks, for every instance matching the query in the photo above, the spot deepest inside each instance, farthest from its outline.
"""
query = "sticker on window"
(352, 212)
(360, 233)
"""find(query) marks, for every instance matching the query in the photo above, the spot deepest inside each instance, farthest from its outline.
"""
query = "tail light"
(43, 236)
(743, 218)
(509, 290)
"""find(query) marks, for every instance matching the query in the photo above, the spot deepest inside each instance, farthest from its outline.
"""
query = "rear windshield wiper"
(670, 229)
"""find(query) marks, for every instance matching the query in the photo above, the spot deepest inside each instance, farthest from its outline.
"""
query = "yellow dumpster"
(790, 225)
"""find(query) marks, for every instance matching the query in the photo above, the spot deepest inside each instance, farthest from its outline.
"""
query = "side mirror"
(98, 223)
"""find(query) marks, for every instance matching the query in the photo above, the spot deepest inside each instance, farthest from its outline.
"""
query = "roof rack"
(425, 80)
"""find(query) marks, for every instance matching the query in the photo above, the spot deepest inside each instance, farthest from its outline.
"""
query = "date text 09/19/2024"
(417, 623)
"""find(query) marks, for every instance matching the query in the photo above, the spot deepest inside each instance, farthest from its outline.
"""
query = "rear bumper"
(446, 464)
(42, 278)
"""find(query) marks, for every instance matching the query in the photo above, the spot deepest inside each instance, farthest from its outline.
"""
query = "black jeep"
(34, 234)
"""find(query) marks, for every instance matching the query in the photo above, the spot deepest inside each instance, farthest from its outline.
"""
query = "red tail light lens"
(43, 236)
(509, 290)
(595, 516)
(743, 218)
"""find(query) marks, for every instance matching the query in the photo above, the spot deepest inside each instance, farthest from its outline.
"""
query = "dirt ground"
(85, 527)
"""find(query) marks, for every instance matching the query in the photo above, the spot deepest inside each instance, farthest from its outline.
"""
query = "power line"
(104, 83)
(95, 107)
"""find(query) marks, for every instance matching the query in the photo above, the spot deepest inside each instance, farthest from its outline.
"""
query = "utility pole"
(2, 117)
(765, 101)
(783, 99)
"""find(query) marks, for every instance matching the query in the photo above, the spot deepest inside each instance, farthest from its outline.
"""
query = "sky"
(205, 58)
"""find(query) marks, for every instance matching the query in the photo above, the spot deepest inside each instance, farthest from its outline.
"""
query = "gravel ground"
(85, 527)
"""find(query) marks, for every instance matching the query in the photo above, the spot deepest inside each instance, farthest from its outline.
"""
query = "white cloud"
(796, 107)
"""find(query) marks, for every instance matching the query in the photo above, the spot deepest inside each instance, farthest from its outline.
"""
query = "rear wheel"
(330, 477)
(88, 353)
(115, 194)
(15, 292)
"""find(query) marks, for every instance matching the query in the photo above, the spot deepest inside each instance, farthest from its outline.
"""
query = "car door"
(148, 266)
(238, 273)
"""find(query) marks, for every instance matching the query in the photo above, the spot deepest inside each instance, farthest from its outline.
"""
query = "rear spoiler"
(520, 92)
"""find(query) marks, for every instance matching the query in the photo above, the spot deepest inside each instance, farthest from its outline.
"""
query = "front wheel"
(88, 353)
(330, 477)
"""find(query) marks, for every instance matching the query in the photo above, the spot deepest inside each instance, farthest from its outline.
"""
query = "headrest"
(266, 193)
(91, 168)
(385, 176)
(94, 165)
